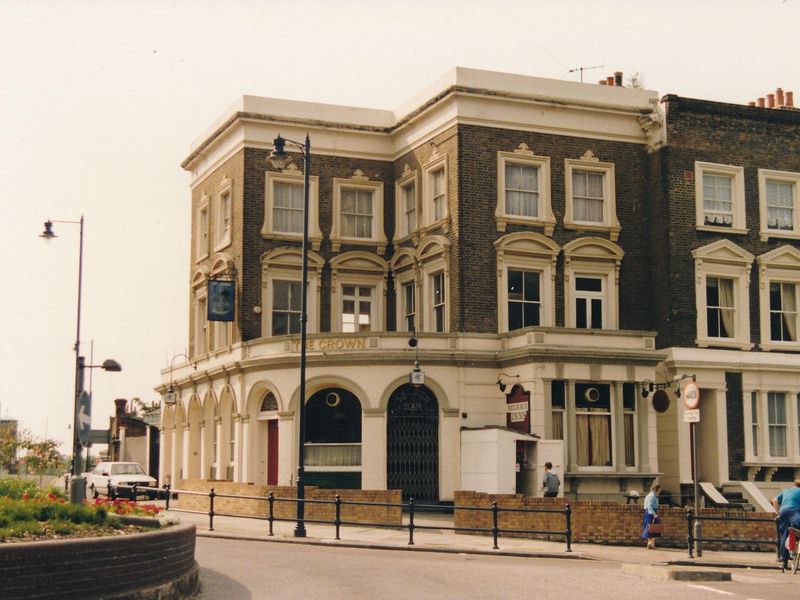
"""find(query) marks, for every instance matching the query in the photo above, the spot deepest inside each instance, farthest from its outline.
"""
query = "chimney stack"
(610, 80)
(779, 100)
(790, 99)
(760, 102)
(618, 78)
(770, 100)
(751, 103)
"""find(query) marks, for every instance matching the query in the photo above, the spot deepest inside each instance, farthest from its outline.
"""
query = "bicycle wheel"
(795, 560)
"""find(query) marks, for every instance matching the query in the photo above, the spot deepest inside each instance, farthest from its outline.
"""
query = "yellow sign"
(359, 343)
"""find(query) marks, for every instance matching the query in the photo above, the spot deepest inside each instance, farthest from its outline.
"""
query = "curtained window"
(587, 196)
(409, 306)
(776, 415)
(438, 302)
(558, 393)
(409, 209)
(780, 205)
(783, 312)
(287, 207)
(754, 421)
(718, 200)
(439, 194)
(522, 190)
(720, 307)
(629, 421)
(593, 425)
(357, 213)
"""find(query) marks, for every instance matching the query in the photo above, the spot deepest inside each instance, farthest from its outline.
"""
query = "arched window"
(268, 403)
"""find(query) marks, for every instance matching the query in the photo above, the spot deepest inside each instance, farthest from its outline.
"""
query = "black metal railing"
(410, 507)
(692, 518)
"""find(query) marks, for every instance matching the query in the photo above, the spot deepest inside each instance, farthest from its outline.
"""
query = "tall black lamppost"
(78, 491)
(279, 159)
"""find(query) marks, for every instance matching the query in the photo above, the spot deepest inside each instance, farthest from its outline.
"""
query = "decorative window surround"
(776, 428)
(738, 217)
(437, 164)
(590, 164)
(433, 257)
(792, 181)
(285, 264)
(593, 257)
(726, 260)
(220, 332)
(200, 321)
(408, 183)
(525, 157)
(202, 227)
(405, 271)
(223, 215)
(291, 176)
(358, 182)
(527, 251)
(360, 269)
(781, 265)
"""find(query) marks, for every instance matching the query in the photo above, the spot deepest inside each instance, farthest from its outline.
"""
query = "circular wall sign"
(691, 395)
(660, 401)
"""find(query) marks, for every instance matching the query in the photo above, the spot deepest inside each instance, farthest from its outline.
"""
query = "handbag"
(655, 529)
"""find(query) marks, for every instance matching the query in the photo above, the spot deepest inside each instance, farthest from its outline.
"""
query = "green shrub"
(16, 487)
(22, 528)
(63, 527)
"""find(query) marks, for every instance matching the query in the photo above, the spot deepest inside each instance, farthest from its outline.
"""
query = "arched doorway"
(412, 443)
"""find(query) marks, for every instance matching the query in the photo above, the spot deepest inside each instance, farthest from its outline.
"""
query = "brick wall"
(101, 567)
(286, 510)
(609, 522)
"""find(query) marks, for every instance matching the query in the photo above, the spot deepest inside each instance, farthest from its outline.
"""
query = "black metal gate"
(412, 443)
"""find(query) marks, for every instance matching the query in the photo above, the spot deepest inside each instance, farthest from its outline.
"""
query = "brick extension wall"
(609, 522)
(286, 510)
(102, 567)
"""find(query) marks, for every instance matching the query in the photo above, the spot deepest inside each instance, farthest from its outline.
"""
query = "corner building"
(498, 220)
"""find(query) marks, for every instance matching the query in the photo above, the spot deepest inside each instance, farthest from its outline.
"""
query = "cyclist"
(787, 505)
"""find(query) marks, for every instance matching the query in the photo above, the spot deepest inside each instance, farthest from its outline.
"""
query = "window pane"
(522, 190)
(515, 285)
(589, 284)
(515, 316)
(532, 286)
(718, 199)
(580, 313)
(780, 209)
(597, 313)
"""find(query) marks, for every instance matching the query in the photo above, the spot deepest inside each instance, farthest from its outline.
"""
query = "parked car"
(106, 476)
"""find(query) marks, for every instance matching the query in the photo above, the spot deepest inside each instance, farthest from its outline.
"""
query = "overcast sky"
(100, 101)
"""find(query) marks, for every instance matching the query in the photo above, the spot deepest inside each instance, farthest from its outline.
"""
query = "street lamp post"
(279, 159)
(77, 489)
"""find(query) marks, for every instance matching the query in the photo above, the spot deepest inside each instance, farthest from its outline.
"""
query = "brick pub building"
(515, 226)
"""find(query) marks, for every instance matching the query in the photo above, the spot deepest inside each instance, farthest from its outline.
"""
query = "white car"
(115, 474)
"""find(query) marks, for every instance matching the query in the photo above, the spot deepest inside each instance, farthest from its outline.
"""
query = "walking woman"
(650, 515)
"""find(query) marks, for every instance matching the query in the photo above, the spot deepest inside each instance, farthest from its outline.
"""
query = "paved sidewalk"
(440, 540)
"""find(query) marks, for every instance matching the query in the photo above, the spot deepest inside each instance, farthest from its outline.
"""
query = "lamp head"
(110, 364)
(278, 157)
(501, 385)
(48, 234)
(170, 397)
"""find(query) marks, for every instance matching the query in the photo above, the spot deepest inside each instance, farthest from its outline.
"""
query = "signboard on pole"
(691, 416)
(691, 395)
(84, 418)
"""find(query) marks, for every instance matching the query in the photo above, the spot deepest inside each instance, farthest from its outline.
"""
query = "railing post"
(690, 535)
(495, 529)
(211, 495)
(338, 520)
(168, 496)
(410, 521)
(134, 493)
(568, 532)
(112, 492)
(271, 515)
(778, 537)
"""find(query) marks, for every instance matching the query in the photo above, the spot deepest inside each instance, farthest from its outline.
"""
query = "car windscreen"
(127, 469)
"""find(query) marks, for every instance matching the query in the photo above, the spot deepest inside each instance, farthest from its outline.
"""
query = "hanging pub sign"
(221, 299)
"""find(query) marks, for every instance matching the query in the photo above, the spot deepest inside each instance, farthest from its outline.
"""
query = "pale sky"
(100, 101)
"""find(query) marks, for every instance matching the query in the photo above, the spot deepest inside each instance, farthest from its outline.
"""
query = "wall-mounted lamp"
(171, 396)
(500, 383)
(678, 379)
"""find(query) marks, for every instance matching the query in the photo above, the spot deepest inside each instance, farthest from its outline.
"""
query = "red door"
(272, 452)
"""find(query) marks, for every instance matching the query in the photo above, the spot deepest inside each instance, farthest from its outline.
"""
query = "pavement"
(431, 535)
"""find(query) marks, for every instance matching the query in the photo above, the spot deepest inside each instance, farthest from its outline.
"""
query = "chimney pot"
(779, 100)
(770, 100)
(602, 82)
(790, 99)
(751, 103)
(618, 78)
(610, 80)
(760, 103)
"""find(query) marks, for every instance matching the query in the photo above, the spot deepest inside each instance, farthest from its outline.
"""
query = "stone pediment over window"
(723, 251)
(785, 257)
(434, 245)
(593, 248)
(527, 244)
(357, 261)
(291, 257)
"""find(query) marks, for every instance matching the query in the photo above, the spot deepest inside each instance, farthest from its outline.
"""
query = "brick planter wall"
(287, 510)
(610, 522)
(155, 564)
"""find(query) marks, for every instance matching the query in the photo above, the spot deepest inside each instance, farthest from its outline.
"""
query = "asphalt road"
(243, 570)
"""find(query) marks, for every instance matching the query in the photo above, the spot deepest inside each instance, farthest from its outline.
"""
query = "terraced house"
(519, 229)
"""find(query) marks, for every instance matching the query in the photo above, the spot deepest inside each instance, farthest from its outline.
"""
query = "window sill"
(712, 229)
(338, 242)
(443, 224)
(222, 245)
(780, 346)
(718, 343)
(773, 233)
(612, 230)
(316, 240)
(504, 220)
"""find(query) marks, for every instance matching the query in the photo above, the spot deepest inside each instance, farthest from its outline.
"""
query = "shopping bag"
(655, 529)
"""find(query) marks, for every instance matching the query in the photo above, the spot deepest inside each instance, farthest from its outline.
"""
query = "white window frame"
(291, 176)
(433, 256)
(723, 259)
(610, 223)
(409, 179)
(285, 264)
(635, 419)
(787, 426)
(405, 271)
(439, 162)
(299, 284)
(739, 224)
(593, 257)
(589, 297)
(612, 424)
(201, 328)
(434, 305)
(752, 442)
(527, 251)
(202, 230)
(781, 265)
(359, 183)
(223, 213)
(357, 298)
(765, 176)
(525, 157)
(360, 269)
